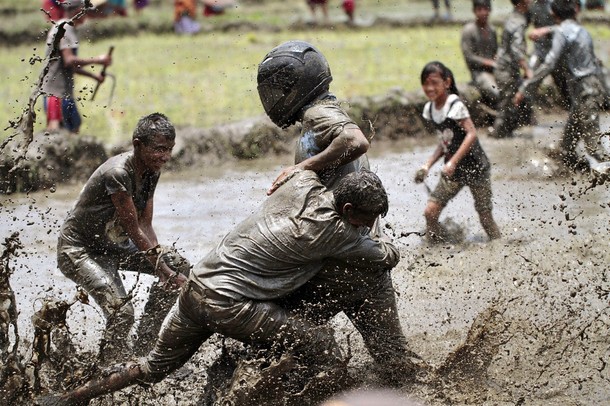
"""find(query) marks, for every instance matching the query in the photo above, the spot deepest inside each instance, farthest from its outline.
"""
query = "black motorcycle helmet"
(289, 77)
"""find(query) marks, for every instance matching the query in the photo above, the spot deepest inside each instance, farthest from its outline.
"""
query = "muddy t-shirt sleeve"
(321, 125)
(363, 251)
(117, 180)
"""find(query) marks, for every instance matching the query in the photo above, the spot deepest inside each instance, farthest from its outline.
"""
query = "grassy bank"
(211, 79)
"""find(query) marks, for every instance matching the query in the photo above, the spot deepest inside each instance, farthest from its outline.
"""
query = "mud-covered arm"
(368, 252)
(348, 146)
(528, 87)
(436, 155)
(141, 232)
(422, 172)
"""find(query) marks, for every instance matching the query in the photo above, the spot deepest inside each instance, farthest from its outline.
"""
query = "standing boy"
(111, 221)
(573, 45)
(58, 83)
(511, 67)
(479, 47)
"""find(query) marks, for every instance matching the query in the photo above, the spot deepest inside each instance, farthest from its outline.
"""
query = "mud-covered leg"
(303, 367)
(115, 379)
(160, 301)
(376, 319)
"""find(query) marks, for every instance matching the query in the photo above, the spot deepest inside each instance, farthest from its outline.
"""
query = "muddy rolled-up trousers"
(98, 274)
(201, 312)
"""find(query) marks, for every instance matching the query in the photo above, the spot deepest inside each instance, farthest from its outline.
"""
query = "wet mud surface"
(520, 320)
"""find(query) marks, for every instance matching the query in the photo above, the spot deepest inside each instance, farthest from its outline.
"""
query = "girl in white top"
(466, 163)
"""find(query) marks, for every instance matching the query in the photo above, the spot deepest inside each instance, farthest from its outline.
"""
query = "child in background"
(349, 6)
(318, 4)
(139, 5)
(465, 161)
(53, 9)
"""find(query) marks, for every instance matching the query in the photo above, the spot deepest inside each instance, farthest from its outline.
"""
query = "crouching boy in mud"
(293, 85)
(235, 289)
(110, 222)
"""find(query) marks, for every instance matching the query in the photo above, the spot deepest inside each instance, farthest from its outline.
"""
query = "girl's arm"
(421, 173)
(438, 153)
(471, 137)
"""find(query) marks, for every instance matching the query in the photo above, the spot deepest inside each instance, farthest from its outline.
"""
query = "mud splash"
(521, 320)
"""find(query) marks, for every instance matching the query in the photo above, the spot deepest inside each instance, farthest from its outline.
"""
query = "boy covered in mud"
(234, 290)
(479, 46)
(293, 85)
(572, 49)
(111, 221)
(58, 83)
(511, 66)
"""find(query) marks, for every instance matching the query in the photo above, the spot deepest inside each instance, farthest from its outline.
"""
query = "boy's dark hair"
(445, 72)
(364, 191)
(481, 3)
(564, 9)
(515, 2)
(154, 124)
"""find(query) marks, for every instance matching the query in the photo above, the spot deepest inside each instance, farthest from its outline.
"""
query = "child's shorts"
(447, 189)
(63, 110)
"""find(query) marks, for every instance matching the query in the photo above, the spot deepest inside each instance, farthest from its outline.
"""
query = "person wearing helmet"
(293, 85)
(58, 83)
(572, 48)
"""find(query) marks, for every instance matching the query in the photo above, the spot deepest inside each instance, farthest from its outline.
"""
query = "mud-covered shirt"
(474, 165)
(322, 122)
(540, 16)
(286, 242)
(513, 47)
(93, 222)
(573, 46)
(59, 80)
(478, 44)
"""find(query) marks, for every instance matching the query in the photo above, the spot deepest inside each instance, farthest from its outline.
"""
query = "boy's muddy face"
(156, 153)
(482, 14)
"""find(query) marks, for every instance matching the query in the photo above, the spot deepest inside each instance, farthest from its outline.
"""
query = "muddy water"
(522, 320)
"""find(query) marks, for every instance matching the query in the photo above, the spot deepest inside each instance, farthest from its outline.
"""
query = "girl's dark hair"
(445, 72)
